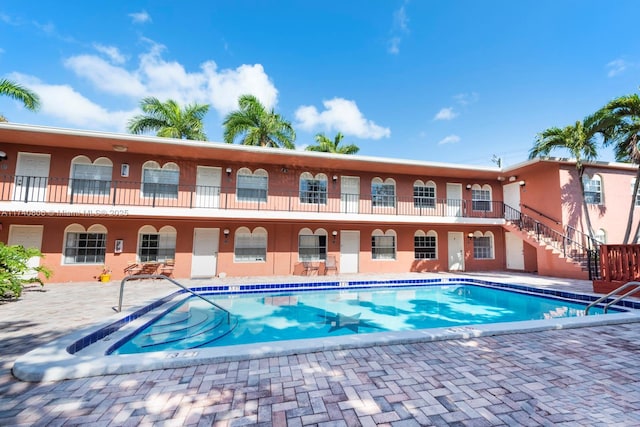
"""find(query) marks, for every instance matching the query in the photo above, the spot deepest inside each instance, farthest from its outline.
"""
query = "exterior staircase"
(569, 253)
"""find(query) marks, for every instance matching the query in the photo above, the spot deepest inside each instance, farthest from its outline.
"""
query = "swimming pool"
(257, 318)
(89, 352)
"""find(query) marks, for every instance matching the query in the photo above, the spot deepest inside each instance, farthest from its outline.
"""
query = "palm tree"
(169, 120)
(325, 145)
(621, 127)
(580, 141)
(257, 126)
(13, 90)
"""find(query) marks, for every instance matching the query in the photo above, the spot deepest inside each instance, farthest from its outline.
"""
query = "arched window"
(90, 178)
(156, 246)
(424, 195)
(483, 245)
(160, 181)
(252, 186)
(601, 236)
(383, 193)
(313, 189)
(481, 197)
(425, 245)
(250, 246)
(383, 245)
(592, 189)
(85, 246)
(312, 246)
(637, 195)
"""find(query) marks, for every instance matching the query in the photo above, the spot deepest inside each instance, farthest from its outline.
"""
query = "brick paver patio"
(588, 376)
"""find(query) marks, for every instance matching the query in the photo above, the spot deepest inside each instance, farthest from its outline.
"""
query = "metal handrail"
(615, 300)
(162, 276)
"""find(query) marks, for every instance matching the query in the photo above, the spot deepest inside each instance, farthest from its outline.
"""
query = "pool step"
(190, 326)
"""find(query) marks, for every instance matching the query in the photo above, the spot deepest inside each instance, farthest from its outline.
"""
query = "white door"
(456, 251)
(208, 187)
(511, 196)
(349, 251)
(349, 194)
(32, 173)
(29, 236)
(515, 251)
(204, 260)
(454, 199)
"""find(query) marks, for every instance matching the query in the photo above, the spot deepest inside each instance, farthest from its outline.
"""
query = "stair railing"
(162, 276)
(568, 246)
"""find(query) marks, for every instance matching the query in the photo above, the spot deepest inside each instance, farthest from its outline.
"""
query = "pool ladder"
(615, 300)
(162, 276)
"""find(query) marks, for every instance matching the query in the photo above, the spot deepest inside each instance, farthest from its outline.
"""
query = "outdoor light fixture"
(229, 170)
(226, 234)
(335, 178)
(468, 186)
(470, 236)
(3, 155)
(522, 183)
(334, 233)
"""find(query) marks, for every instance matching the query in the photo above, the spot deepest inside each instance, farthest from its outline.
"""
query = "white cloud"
(163, 79)
(451, 139)
(467, 98)
(140, 17)
(400, 19)
(225, 86)
(394, 45)
(106, 77)
(64, 103)
(399, 27)
(616, 67)
(112, 52)
(446, 114)
(340, 115)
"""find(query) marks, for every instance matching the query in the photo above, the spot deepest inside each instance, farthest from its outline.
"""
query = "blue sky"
(443, 81)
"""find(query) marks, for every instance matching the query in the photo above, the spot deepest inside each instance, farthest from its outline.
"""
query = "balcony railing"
(29, 189)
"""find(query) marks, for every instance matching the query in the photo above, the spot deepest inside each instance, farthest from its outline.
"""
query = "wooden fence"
(619, 264)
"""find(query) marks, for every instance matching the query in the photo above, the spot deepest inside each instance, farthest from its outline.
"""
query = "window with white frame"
(313, 189)
(85, 246)
(481, 197)
(312, 246)
(425, 245)
(633, 184)
(593, 189)
(424, 195)
(156, 246)
(250, 246)
(160, 181)
(383, 245)
(252, 186)
(383, 193)
(89, 178)
(483, 245)
(601, 236)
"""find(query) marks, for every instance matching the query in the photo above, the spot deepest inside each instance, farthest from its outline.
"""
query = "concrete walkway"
(587, 376)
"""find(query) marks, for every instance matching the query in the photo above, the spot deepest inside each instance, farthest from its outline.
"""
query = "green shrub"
(15, 272)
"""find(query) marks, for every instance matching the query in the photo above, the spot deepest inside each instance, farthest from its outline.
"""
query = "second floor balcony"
(30, 190)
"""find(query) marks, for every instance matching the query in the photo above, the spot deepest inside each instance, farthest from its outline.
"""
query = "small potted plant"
(105, 276)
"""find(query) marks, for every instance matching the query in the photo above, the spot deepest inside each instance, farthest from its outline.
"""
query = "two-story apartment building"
(203, 209)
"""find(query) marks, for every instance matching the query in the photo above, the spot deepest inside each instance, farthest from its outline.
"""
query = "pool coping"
(54, 361)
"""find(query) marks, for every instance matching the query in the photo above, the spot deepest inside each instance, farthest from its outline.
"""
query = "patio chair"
(308, 268)
(132, 268)
(167, 267)
(330, 264)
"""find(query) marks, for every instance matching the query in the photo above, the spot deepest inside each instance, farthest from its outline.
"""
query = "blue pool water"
(262, 317)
